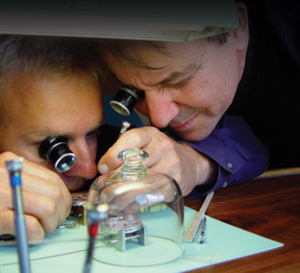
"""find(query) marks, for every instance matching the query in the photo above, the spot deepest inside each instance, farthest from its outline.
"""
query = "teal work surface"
(65, 250)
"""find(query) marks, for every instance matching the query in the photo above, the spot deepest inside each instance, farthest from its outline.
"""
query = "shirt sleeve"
(238, 153)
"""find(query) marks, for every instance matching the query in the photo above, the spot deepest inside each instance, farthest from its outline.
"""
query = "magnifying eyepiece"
(125, 99)
(56, 150)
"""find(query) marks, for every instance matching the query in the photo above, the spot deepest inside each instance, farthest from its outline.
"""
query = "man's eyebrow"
(46, 133)
(40, 134)
(188, 71)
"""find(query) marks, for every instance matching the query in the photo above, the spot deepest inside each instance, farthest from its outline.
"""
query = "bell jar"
(142, 224)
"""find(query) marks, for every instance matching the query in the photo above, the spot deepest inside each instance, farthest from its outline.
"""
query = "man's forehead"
(38, 112)
(177, 75)
(44, 131)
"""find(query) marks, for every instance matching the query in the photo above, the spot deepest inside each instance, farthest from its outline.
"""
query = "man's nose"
(162, 109)
(85, 165)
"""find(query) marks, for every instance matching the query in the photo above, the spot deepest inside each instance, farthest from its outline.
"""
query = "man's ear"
(242, 33)
(241, 36)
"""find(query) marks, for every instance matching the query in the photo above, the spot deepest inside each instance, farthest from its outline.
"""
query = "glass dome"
(142, 223)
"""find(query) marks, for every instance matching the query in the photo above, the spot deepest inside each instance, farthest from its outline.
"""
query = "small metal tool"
(202, 233)
(195, 226)
(95, 216)
(125, 126)
(14, 167)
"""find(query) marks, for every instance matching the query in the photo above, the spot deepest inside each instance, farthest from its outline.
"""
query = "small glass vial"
(144, 224)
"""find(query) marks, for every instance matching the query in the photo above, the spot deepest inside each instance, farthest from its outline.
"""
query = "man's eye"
(95, 132)
(92, 133)
(178, 84)
(174, 85)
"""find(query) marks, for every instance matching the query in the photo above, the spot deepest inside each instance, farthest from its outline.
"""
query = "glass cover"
(143, 224)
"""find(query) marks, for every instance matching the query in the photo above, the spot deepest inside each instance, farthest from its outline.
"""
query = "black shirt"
(268, 95)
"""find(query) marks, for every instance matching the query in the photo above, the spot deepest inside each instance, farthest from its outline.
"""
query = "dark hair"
(126, 48)
(43, 55)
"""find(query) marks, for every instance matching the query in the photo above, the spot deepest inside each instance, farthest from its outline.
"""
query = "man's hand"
(131, 196)
(46, 199)
(188, 167)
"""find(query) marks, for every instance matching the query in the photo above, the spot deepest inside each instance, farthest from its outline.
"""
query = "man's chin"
(193, 135)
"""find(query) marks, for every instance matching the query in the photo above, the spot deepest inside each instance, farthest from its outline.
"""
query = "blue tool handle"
(21, 234)
(15, 179)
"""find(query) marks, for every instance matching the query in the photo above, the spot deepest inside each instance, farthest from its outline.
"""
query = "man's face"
(187, 87)
(33, 108)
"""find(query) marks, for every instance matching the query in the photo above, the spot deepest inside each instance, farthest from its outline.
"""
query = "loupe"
(125, 99)
(56, 150)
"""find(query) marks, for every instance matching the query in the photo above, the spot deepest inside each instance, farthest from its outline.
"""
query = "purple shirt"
(238, 153)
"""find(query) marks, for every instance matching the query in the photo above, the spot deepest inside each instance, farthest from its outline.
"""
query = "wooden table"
(269, 207)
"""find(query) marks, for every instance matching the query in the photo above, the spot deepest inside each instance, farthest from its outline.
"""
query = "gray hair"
(48, 56)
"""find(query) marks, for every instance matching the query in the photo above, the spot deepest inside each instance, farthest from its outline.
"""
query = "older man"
(231, 99)
(49, 87)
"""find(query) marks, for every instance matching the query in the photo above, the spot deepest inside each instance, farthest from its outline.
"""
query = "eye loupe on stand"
(126, 98)
(144, 221)
(56, 150)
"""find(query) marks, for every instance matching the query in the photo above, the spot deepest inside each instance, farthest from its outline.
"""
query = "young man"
(209, 92)
(48, 87)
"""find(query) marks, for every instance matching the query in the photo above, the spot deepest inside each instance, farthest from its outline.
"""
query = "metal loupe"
(56, 150)
(125, 99)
